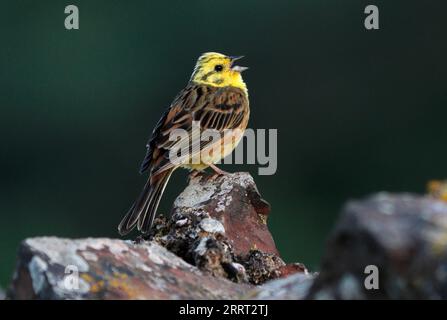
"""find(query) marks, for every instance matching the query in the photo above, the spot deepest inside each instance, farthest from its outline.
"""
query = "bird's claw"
(193, 174)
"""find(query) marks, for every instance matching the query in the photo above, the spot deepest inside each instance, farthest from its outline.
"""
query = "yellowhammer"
(216, 97)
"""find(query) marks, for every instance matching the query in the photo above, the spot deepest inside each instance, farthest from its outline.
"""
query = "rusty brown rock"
(291, 268)
(235, 202)
(220, 226)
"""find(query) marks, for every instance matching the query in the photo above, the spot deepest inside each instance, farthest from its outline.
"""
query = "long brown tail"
(143, 211)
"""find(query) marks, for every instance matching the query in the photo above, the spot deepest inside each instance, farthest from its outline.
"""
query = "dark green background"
(356, 111)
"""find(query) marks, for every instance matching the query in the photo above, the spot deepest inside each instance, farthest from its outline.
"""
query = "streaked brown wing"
(214, 108)
(175, 116)
(226, 110)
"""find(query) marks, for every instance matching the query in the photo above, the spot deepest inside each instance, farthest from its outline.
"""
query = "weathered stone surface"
(111, 269)
(234, 201)
(214, 245)
(262, 267)
(294, 287)
(404, 235)
(220, 226)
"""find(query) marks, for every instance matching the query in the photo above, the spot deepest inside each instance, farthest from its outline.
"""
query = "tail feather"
(147, 216)
(134, 212)
(123, 227)
(143, 211)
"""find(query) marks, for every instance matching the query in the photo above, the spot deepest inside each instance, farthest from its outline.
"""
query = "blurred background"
(357, 111)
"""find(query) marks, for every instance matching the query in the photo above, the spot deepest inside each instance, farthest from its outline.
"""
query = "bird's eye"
(218, 68)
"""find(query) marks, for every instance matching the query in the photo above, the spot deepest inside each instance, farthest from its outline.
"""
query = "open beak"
(237, 68)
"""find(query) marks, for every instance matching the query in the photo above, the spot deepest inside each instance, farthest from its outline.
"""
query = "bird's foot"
(217, 173)
(193, 174)
(141, 239)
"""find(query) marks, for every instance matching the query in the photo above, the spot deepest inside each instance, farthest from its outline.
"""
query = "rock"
(54, 268)
(231, 204)
(262, 267)
(214, 245)
(220, 226)
(294, 287)
(403, 235)
(291, 268)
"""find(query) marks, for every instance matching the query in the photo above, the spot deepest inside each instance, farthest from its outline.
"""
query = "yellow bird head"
(218, 70)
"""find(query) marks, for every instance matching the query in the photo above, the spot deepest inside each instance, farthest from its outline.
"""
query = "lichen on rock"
(215, 224)
(214, 245)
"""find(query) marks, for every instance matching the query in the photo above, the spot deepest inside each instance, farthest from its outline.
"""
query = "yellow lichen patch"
(437, 189)
(263, 218)
(120, 283)
(439, 242)
(97, 286)
(118, 275)
(254, 247)
(117, 281)
(87, 277)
